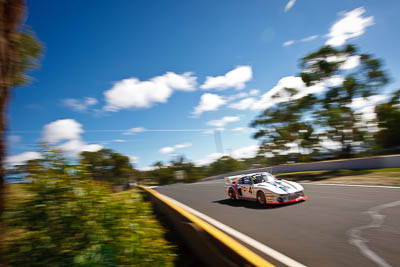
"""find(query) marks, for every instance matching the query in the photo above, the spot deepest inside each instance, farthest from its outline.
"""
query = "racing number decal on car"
(250, 190)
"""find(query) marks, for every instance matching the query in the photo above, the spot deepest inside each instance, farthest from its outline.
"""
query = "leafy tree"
(295, 123)
(388, 116)
(106, 165)
(224, 164)
(334, 112)
(283, 130)
(69, 219)
(19, 52)
(192, 172)
(162, 174)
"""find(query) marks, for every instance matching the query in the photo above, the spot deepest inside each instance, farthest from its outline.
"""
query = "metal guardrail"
(212, 246)
(378, 162)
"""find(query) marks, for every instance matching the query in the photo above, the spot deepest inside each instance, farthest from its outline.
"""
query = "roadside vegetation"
(63, 217)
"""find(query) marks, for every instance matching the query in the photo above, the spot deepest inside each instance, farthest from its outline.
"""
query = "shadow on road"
(250, 204)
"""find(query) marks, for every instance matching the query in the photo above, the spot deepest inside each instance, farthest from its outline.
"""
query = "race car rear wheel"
(232, 194)
(261, 198)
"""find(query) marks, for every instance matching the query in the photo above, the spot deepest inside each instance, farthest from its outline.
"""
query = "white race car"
(264, 188)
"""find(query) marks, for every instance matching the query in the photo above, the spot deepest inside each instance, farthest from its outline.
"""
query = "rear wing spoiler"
(233, 179)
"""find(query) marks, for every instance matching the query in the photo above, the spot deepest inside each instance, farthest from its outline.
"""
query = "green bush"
(71, 220)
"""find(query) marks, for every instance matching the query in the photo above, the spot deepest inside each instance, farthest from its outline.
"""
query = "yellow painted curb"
(244, 252)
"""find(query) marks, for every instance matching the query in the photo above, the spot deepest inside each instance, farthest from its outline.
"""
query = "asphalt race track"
(336, 226)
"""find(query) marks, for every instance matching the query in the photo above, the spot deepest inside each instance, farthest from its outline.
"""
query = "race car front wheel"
(232, 194)
(261, 198)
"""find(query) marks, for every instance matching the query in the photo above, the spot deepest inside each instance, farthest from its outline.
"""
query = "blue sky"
(176, 70)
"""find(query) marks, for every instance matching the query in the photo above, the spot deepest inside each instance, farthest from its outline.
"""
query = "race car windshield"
(268, 177)
(259, 179)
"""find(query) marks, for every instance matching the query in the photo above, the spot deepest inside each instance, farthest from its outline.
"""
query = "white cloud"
(119, 141)
(78, 104)
(235, 78)
(348, 62)
(306, 39)
(61, 134)
(254, 92)
(184, 145)
(351, 62)
(236, 96)
(68, 131)
(208, 159)
(351, 25)
(240, 153)
(134, 130)
(267, 100)
(361, 102)
(169, 149)
(133, 93)
(309, 38)
(209, 102)
(243, 104)
(76, 146)
(148, 168)
(330, 144)
(223, 121)
(89, 147)
(293, 147)
(332, 81)
(61, 130)
(288, 43)
(91, 101)
(245, 152)
(366, 106)
(133, 159)
(289, 5)
(277, 94)
(21, 158)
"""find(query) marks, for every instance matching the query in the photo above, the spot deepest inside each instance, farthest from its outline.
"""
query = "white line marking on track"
(240, 236)
(377, 221)
(357, 185)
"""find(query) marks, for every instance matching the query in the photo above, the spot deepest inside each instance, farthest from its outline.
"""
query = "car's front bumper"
(299, 199)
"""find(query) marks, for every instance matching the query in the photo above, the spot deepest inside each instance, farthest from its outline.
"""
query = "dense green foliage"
(224, 164)
(71, 220)
(282, 125)
(30, 52)
(106, 165)
(388, 115)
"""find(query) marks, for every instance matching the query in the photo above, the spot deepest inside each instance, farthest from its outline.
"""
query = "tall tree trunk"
(11, 12)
